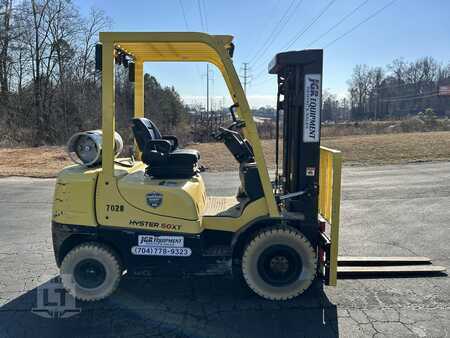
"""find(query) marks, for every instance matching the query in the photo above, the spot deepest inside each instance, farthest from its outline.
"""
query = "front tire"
(91, 271)
(279, 263)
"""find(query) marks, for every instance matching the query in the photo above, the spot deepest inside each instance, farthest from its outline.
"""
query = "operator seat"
(161, 153)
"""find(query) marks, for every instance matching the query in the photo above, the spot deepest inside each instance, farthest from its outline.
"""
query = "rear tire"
(279, 263)
(91, 271)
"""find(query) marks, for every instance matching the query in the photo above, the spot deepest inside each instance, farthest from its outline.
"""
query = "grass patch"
(357, 150)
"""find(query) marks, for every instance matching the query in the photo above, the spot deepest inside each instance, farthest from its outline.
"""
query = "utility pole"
(245, 76)
(207, 88)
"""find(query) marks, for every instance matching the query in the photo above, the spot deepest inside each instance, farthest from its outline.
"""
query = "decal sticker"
(157, 225)
(311, 114)
(167, 241)
(160, 251)
(310, 171)
(154, 199)
(115, 207)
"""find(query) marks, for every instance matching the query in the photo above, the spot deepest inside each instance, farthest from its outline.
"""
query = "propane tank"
(85, 148)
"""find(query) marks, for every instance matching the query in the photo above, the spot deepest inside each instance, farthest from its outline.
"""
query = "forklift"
(150, 214)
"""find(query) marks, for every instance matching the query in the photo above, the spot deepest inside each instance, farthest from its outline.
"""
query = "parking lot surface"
(399, 210)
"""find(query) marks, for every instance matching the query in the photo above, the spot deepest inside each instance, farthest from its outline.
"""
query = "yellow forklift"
(151, 215)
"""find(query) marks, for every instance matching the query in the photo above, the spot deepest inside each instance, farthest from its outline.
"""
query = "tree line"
(401, 89)
(49, 88)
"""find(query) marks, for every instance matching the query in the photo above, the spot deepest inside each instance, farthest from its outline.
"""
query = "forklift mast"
(299, 101)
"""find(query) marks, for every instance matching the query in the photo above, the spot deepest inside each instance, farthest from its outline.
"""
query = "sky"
(406, 29)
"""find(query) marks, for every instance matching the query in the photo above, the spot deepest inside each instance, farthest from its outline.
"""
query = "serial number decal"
(115, 207)
(160, 251)
(149, 224)
(166, 241)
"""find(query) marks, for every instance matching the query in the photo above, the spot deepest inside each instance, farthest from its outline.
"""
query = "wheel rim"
(89, 273)
(279, 265)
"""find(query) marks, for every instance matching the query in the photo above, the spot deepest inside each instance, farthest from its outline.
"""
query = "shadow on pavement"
(184, 307)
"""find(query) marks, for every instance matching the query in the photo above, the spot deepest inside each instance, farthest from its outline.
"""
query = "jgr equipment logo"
(172, 241)
(311, 118)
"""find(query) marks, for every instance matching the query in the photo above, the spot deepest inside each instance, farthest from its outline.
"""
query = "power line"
(259, 74)
(285, 13)
(409, 95)
(279, 26)
(301, 33)
(258, 84)
(205, 15)
(408, 98)
(280, 30)
(186, 24)
(272, 10)
(339, 22)
(361, 23)
(203, 24)
(199, 5)
(411, 84)
(184, 15)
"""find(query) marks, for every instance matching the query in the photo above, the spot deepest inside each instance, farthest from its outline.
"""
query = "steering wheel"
(233, 127)
(220, 134)
(236, 125)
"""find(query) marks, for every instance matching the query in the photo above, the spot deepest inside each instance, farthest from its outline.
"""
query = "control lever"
(291, 195)
(233, 115)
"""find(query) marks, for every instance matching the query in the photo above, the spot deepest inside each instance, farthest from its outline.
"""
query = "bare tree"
(5, 39)
(359, 90)
(405, 89)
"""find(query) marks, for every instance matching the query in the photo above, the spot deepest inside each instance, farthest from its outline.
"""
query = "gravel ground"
(389, 210)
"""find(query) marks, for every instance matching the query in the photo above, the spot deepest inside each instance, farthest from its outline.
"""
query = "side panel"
(159, 252)
(114, 211)
(160, 263)
(178, 198)
(74, 196)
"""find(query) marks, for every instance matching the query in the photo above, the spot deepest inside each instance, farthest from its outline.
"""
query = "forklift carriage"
(152, 216)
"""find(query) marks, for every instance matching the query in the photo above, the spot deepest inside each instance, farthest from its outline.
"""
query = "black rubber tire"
(269, 237)
(103, 255)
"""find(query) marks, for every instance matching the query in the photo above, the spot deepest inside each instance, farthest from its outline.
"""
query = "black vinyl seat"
(161, 153)
(238, 146)
(248, 171)
(145, 131)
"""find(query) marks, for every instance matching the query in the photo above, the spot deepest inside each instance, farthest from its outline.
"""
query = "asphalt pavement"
(401, 210)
